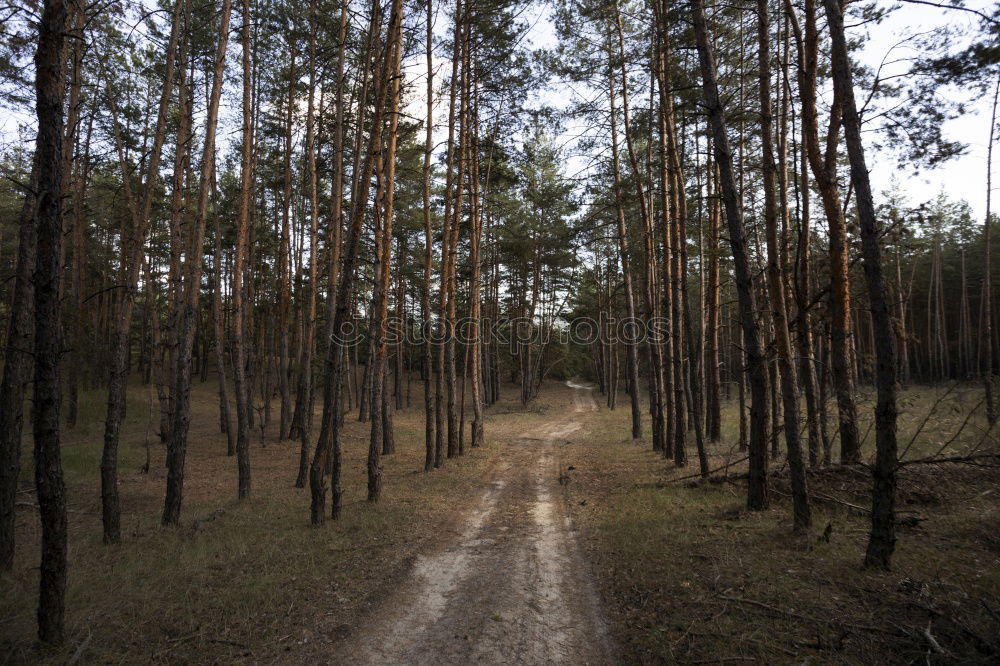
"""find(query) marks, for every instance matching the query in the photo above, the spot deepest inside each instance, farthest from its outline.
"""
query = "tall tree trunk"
(182, 175)
(446, 236)
(631, 345)
(824, 168)
(334, 236)
(225, 417)
(131, 254)
(802, 291)
(674, 269)
(757, 493)
(17, 369)
(713, 303)
(425, 294)
(991, 412)
(882, 539)
(776, 288)
(668, 177)
(284, 270)
(76, 186)
(309, 341)
(475, 259)
(451, 378)
(47, 396)
(239, 268)
(334, 361)
(381, 430)
(647, 226)
(187, 315)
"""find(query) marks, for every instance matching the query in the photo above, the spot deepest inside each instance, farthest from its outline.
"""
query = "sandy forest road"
(512, 587)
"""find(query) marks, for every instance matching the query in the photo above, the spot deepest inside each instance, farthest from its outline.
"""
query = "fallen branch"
(78, 654)
(856, 507)
(710, 472)
(932, 641)
(967, 460)
(721, 660)
(779, 611)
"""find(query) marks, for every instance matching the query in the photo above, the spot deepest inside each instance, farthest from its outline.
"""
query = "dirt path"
(512, 587)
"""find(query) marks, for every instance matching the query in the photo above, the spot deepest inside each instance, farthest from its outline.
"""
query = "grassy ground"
(686, 574)
(235, 581)
(689, 576)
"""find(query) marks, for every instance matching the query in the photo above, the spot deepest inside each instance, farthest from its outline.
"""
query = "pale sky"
(963, 177)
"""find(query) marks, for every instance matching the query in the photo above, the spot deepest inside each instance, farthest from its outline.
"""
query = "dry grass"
(690, 577)
(687, 575)
(236, 580)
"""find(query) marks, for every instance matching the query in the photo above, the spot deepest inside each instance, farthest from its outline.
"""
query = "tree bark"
(776, 289)
(631, 345)
(131, 256)
(334, 360)
(991, 412)
(304, 430)
(381, 426)
(882, 540)
(239, 268)
(425, 294)
(824, 168)
(47, 396)
(17, 369)
(284, 269)
(187, 315)
(757, 493)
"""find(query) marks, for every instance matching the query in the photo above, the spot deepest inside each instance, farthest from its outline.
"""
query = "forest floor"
(689, 576)
(560, 540)
(239, 581)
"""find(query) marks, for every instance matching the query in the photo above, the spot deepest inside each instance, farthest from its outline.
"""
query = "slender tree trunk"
(76, 187)
(713, 303)
(131, 255)
(631, 345)
(475, 259)
(776, 289)
(334, 360)
(668, 175)
(240, 267)
(17, 369)
(225, 417)
(757, 494)
(446, 254)
(381, 430)
(425, 294)
(187, 315)
(284, 272)
(334, 242)
(47, 395)
(304, 430)
(802, 291)
(451, 378)
(824, 168)
(882, 539)
(647, 226)
(991, 412)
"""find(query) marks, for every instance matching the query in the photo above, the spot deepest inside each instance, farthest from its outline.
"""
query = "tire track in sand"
(512, 587)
